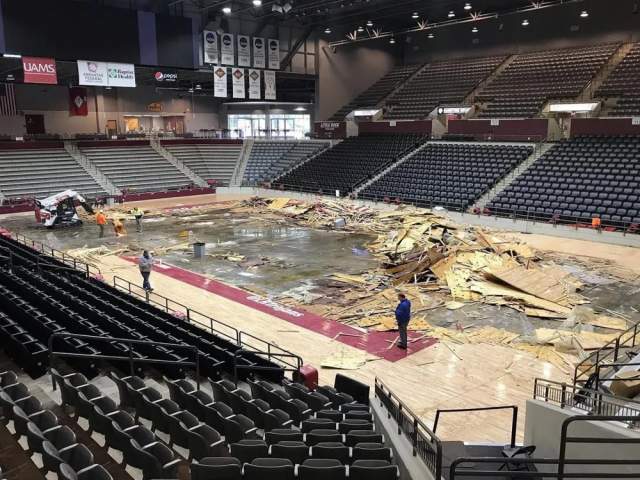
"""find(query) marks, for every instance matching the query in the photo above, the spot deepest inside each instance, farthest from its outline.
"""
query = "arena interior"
(319, 239)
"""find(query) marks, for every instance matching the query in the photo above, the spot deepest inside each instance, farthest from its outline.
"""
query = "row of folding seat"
(55, 443)
(230, 468)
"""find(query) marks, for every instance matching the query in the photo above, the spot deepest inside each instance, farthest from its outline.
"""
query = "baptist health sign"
(102, 74)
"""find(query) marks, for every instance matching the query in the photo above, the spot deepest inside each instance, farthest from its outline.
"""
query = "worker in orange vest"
(101, 220)
(596, 223)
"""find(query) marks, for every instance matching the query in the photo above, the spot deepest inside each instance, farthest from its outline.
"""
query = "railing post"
(399, 419)
(414, 436)
(563, 394)
(197, 367)
(132, 370)
(617, 348)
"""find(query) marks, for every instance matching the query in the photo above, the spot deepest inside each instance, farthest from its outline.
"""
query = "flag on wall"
(78, 106)
(254, 84)
(7, 100)
(220, 82)
(238, 83)
(269, 85)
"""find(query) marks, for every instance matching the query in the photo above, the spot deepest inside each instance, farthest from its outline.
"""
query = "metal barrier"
(425, 443)
(589, 367)
(242, 339)
(287, 367)
(130, 358)
(8, 257)
(514, 417)
(79, 265)
(588, 400)
(458, 470)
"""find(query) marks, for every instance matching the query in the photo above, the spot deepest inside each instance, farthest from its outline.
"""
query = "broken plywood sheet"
(346, 359)
(278, 203)
(611, 323)
(532, 281)
(487, 288)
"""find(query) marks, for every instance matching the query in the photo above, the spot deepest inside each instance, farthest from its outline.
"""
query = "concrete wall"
(52, 102)
(543, 428)
(348, 71)
(556, 27)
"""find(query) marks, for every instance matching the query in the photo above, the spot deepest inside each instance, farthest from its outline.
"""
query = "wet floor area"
(264, 257)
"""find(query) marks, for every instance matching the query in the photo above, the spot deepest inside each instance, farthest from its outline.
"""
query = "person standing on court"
(403, 315)
(138, 214)
(146, 264)
(101, 220)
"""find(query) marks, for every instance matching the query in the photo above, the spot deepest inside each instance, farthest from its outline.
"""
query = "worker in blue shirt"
(403, 315)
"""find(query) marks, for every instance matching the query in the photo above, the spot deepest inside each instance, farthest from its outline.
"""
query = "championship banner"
(269, 85)
(220, 82)
(244, 51)
(238, 82)
(93, 74)
(254, 84)
(210, 46)
(39, 70)
(121, 75)
(78, 106)
(258, 52)
(274, 54)
(227, 49)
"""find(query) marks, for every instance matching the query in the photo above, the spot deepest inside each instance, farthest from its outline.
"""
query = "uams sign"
(39, 70)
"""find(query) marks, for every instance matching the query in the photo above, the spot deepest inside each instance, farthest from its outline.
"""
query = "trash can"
(198, 250)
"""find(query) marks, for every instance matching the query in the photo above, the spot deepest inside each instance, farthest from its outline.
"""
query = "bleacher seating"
(623, 83)
(270, 159)
(136, 167)
(210, 161)
(43, 172)
(376, 92)
(350, 163)
(531, 79)
(440, 83)
(453, 175)
(577, 180)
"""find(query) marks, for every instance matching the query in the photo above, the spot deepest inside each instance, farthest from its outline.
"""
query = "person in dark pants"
(403, 315)
(146, 264)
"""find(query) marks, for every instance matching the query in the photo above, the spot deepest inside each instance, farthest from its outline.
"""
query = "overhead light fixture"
(369, 23)
(287, 7)
(276, 7)
(327, 30)
(257, 3)
(573, 107)
(525, 23)
(300, 109)
(584, 14)
(415, 15)
(198, 87)
(392, 41)
(467, 6)
(361, 29)
(451, 14)
(11, 55)
(226, 10)
(191, 90)
(108, 88)
(474, 29)
(431, 35)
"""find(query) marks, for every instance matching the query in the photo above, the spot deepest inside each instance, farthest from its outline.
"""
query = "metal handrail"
(288, 368)
(588, 400)
(79, 265)
(188, 313)
(514, 416)
(589, 365)
(238, 337)
(130, 358)
(561, 461)
(425, 442)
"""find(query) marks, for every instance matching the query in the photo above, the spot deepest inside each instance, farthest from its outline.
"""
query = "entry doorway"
(34, 124)
(112, 128)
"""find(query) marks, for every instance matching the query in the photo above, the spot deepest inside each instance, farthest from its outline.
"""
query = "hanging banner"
(227, 50)
(162, 76)
(254, 84)
(238, 82)
(274, 54)
(269, 85)
(244, 51)
(258, 52)
(39, 70)
(121, 75)
(78, 106)
(92, 73)
(210, 46)
(220, 82)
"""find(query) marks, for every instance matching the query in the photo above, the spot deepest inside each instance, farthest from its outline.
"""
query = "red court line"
(376, 343)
